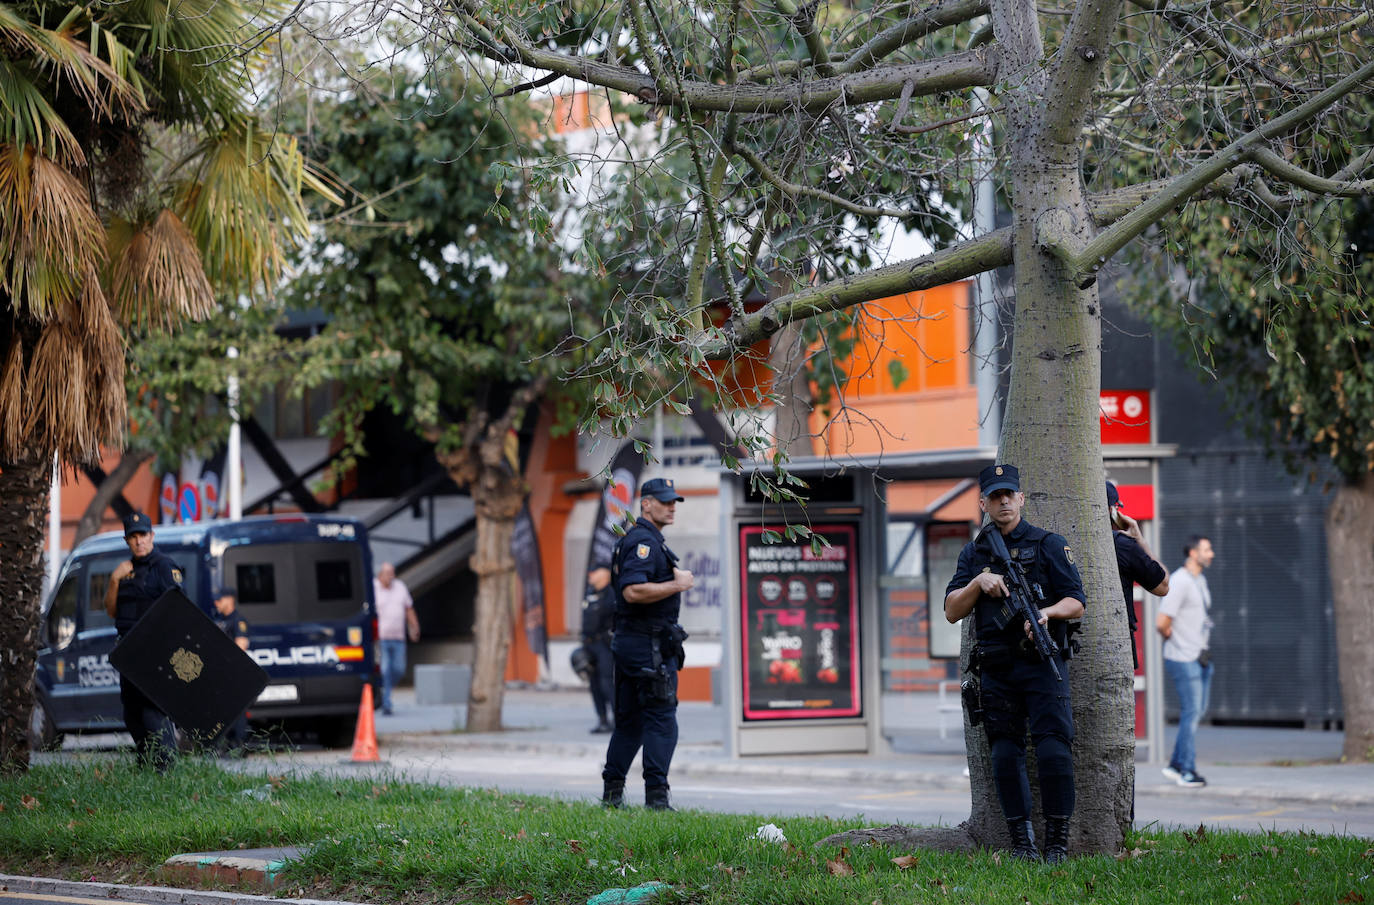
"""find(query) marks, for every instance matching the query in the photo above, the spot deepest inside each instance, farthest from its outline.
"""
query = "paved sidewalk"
(1248, 763)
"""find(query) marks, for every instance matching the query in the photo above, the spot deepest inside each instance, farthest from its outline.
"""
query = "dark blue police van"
(304, 584)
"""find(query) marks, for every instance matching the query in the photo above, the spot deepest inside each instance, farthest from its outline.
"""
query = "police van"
(304, 584)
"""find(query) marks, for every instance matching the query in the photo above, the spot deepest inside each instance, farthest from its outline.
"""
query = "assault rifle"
(1023, 598)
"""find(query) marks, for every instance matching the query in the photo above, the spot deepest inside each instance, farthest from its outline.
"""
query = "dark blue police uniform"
(1019, 689)
(598, 615)
(1134, 566)
(647, 648)
(152, 576)
(236, 627)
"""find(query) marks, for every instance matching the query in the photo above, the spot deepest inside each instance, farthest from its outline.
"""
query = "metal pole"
(54, 525)
(1154, 651)
(233, 459)
(985, 342)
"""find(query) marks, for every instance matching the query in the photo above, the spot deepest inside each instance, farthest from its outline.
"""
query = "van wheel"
(337, 732)
(43, 734)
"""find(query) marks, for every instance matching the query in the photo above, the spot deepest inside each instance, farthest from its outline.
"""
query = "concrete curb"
(257, 869)
(158, 894)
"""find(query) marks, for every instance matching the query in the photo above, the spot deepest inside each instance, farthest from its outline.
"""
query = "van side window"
(334, 579)
(256, 582)
(62, 616)
(99, 571)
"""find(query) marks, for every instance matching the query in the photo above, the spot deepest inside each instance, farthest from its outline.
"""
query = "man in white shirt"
(395, 622)
(1184, 622)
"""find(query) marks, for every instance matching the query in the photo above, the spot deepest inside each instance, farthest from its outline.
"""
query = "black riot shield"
(188, 666)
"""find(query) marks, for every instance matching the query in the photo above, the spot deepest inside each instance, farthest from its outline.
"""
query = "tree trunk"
(792, 387)
(24, 489)
(1349, 527)
(1051, 427)
(111, 487)
(495, 568)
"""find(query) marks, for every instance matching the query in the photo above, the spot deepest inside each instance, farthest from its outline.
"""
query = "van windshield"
(296, 582)
(98, 570)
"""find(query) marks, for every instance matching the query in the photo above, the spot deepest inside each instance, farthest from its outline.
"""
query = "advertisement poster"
(799, 627)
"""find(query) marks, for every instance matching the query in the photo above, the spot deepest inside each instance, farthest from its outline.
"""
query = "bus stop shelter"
(814, 634)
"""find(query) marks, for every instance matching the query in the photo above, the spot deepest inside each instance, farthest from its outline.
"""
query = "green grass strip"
(384, 840)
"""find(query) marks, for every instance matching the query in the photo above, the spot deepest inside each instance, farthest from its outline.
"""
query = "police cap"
(660, 489)
(998, 477)
(224, 591)
(137, 523)
(1113, 498)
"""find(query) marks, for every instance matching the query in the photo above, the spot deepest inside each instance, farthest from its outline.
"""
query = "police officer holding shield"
(135, 585)
(1019, 687)
(647, 648)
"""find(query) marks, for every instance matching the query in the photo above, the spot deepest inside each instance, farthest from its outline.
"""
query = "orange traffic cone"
(365, 736)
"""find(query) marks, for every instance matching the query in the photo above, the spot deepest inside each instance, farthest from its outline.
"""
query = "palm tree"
(136, 184)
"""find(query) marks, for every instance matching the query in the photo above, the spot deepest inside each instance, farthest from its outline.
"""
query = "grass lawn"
(390, 841)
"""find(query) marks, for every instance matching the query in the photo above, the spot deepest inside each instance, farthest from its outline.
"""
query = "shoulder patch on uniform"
(243, 627)
(642, 551)
(176, 575)
(1068, 554)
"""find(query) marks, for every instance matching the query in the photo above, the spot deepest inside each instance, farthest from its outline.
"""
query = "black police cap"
(661, 489)
(137, 523)
(998, 477)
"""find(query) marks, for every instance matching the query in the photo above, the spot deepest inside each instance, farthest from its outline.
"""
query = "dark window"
(334, 579)
(62, 616)
(256, 582)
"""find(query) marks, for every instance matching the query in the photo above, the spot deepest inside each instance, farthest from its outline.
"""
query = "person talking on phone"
(1134, 562)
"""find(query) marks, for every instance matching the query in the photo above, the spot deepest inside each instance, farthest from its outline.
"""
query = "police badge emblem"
(642, 551)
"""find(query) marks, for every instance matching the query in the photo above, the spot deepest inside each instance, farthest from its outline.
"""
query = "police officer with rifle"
(647, 647)
(1022, 586)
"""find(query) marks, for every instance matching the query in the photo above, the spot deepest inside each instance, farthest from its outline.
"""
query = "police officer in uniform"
(598, 615)
(1019, 689)
(135, 585)
(232, 623)
(647, 648)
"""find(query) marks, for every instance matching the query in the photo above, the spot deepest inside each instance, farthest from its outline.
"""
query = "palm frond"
(12, 400)
(52, 237)
(158, 279)
(28, 118)
(193, 48)
(57, 396)
(106, 402)
(239, 192)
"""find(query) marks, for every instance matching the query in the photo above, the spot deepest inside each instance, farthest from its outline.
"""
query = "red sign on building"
(1124, 415)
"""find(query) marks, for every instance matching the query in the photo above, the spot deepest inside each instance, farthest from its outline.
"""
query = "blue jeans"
(1193, 682)
(393, 668)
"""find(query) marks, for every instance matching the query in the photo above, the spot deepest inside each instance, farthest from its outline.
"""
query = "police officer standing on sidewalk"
(647, 648)
(232, 623)
(135, 585)
(1018, 686)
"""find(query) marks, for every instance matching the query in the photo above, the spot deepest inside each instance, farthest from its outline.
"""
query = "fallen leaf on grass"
(1350, 898)
(279, 781)
(29, 802)
(1130, 853)
(1199, 836)
(906, 861)
(523, 899)
(575, 845)
(839, 868)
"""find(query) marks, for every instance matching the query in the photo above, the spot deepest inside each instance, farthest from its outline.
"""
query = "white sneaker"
(1191, 780)
(1171, 773)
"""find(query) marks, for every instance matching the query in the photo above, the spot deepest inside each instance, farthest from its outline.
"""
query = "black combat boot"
(656, 798)
(613, 794)
(1056, 839)
(1022, 840)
